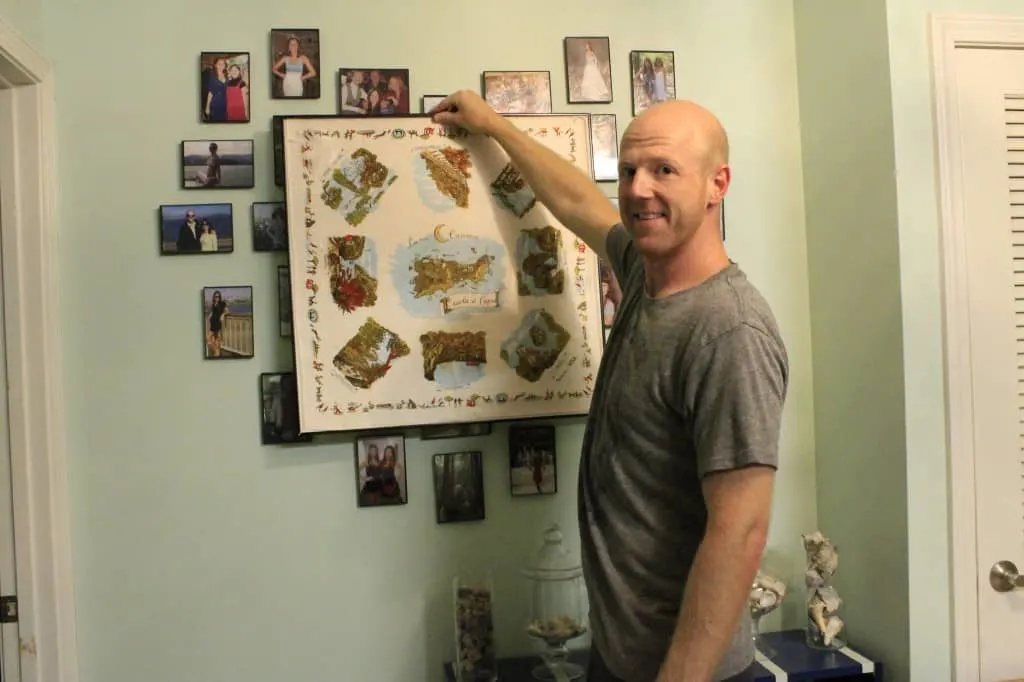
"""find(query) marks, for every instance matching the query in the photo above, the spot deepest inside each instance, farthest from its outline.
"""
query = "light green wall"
(200, 554)
(26, 16)
(856, 323)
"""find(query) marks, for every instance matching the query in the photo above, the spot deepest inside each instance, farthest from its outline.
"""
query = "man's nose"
(642, 185)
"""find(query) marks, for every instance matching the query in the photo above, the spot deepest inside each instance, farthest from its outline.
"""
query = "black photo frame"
(279, 410)
(459, 486)
(228, 332)
(182, 229)
(285, 81)
(584, 54)
(216, 103)
(218, 164)
(646, 88)
(604, 144)
(357, 82)
(532, 460)
(380, 482)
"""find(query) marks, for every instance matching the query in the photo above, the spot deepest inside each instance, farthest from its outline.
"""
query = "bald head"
(685, 123)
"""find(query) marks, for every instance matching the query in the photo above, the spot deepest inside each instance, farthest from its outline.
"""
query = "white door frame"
(948, 32)
(38, 469)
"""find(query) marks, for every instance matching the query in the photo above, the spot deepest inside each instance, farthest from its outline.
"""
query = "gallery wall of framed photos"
(190, 473)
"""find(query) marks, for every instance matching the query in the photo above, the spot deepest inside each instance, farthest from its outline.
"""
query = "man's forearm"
(716, 594)
(571, 196)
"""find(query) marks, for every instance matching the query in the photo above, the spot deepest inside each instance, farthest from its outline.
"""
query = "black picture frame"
(499, 102)
(269, 226)
(237, 161)
(376, 486)
(574, 48)
(210, 93)
(284, 302)
(459, 487)
(607, 169)
(428, 102)
(279, 410)
(462, 430)
(236, 339)
(385, 73)
(640, 86)
(308, 40)
(532, 460)
(177, 239)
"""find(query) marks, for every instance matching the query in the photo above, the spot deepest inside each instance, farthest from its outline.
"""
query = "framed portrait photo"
(518, 92)
(459, 486)
(217, 164)
(279, 416)
(269, 226)
(227, 322)
(284, 303)
(532, 466)
(604, 138)
(588, 70)
(193, 229)
(653, 76)
(224, 79)
(373, 92)
(295, 63)
(380, 471)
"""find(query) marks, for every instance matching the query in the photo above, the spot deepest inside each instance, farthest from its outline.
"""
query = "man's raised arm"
(572, 197)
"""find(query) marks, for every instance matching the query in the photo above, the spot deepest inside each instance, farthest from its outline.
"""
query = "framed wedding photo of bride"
(588, 70)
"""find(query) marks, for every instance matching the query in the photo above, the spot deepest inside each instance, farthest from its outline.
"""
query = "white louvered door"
(990, 85)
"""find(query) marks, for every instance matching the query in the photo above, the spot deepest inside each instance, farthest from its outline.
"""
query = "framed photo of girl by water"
(195, 229)
(227, 322)
(217, 164)
(380, 471)
(295, 63)
(429, 286)
(224, 80)
(588, 70)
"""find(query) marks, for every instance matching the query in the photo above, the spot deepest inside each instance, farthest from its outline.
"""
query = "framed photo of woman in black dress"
(227, 322)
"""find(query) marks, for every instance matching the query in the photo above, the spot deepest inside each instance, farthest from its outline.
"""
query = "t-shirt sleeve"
(738, 388)
(622, 253)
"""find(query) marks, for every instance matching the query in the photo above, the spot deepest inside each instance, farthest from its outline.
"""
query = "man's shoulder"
(729, 303)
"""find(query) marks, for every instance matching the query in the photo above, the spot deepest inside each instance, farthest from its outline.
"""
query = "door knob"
(1004, 577)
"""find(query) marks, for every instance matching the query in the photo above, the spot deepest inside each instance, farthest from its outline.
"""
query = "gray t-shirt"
(689, 384)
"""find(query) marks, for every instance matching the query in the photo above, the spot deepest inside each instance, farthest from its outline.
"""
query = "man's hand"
(468, 110)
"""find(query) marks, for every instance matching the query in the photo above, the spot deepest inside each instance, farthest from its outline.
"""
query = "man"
(681, 445)
(188, 233)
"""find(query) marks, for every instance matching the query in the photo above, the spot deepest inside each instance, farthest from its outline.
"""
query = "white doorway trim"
(948, 33)
(38, 467)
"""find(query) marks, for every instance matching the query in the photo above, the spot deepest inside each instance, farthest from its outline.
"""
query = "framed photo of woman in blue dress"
(224, 79)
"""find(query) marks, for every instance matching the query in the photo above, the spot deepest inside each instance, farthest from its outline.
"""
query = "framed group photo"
(588, 70)
(518, 92)
(380, 471)
(653, 75)
(227, 322)
(295, 63)
(196, 229)
(224, 79)
(217, 164)
(373, 92)
(279, 402)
